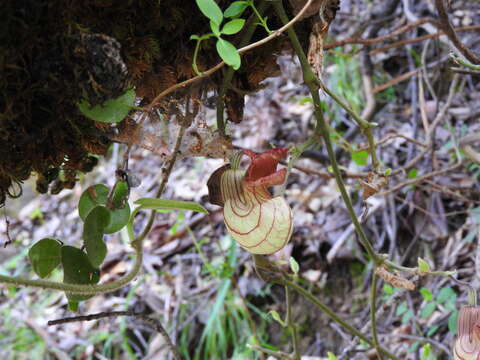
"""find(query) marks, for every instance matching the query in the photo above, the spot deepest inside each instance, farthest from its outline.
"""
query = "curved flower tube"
(467, 344)
(259, 222)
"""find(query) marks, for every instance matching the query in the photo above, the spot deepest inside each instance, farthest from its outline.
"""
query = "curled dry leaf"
(373, 184)
(395, 280)
(259, 222)
(467, 344)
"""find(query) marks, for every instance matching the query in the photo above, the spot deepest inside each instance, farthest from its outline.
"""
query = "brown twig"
(421, 38)
(391, 137)
(448, 29)
(420, 179)
(217, 67)
(154, 323)
(395, 33)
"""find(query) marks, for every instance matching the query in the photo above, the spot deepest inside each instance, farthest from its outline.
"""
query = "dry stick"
(395, 33)
(391, 137)
(452, 35)
(420, 179)
(421, 38)
(154, 323)
(221, 64)
(429, 136)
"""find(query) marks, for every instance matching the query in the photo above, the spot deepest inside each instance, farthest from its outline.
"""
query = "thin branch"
(373, 314)
(420, 179)
(395, 33)
(421, 38)
(217, 67)
(291, 324)
(452, 35)
(154, 323)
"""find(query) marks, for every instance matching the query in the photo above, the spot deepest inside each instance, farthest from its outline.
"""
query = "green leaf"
(277, 317)
(401, 309)
(77, 269)
(73, 306)
(388, 289)
(98, 195)
(446, 293)
(426, 294)
(432, 330)
(360, 158)
(95, 195)
(45, 256)
(112, 111)
(210, 9)
(423, 266)
(157, 204)
(412, 174)
(452, 322)
(215, 29)
(194, 37)
(235, 9)
(118, 219)
(427, 310)
(233, 26)
(331, 356)
(407, 316)
(121, 191)
(93, 229)
(294, 265)
(229, 53)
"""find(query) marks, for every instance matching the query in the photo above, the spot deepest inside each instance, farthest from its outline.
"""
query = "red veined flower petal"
(264, 164)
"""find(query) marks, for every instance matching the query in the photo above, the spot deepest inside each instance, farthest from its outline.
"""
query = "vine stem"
(321, 129)
(331, 314)
(290, 323)
(373, 314)
(364, 125)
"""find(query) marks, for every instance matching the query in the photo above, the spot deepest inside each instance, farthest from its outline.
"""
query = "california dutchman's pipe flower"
(467, 344)
(259, 222)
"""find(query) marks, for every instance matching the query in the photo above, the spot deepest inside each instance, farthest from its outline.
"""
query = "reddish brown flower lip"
(263, 167)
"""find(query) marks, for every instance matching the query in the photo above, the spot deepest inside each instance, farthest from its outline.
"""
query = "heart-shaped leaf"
(95, 224)
(98, 195)
(121, 191)
(112, 111)
(77, 269)
(161, 204)
(45, 256)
